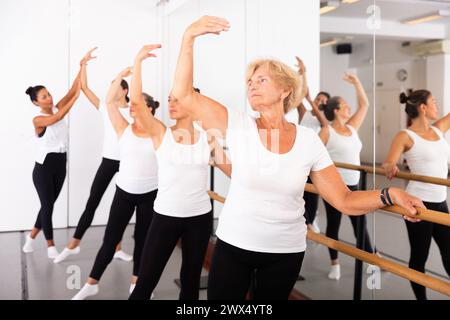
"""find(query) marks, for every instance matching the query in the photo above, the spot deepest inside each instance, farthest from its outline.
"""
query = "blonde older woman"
(262, 231)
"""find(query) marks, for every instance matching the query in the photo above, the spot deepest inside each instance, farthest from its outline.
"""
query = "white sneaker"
(123, 256)
(88, 290)
(315, 227)
(52, 253)
(335, 272)
(66, 253)
(28, 246)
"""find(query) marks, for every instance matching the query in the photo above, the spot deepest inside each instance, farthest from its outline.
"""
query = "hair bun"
(29, 91)
(403, 98)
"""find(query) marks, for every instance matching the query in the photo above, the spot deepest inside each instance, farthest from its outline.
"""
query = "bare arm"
(401, 143)
(153, 126)
(40, 122)
(219, 157)
(363, 102)
(92, 97)
(443, 124)
(118, 122)
(71, 94)
(210, 113)
(332, 189)
(324, 132)
(301, 112)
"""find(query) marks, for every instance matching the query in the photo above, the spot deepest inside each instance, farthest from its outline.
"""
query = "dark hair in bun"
(414, 101)
(150, 102)
(33, 92)
(329, 107)
(124, 86)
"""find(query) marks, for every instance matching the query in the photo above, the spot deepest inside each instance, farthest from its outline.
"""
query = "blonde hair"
(285, 77)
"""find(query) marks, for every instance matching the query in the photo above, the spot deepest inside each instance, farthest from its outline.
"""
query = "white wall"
(41, 50)
(34, 51)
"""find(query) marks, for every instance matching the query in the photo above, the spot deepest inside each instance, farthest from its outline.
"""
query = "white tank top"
(182, 177)
(428, 158)
(110, 140)
(264, 209)
(345, 149)
(138, 167)
(53, 140)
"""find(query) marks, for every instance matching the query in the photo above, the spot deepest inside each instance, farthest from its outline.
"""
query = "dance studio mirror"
(411, 56)
(356, 56)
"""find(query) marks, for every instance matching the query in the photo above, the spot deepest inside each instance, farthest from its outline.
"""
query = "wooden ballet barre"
(400, 174)
(422, 214)
(395, 268)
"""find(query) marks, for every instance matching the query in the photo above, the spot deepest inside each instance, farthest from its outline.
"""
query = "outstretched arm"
(92, 97)
(40, 122)
(153, 126)
(363, 102)
(210, 113)
(118, 122)
(332, 189)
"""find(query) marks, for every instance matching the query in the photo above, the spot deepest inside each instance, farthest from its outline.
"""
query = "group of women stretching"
(162, 175)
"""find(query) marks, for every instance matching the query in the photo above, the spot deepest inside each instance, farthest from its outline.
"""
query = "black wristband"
(388, 197)
(383, 199)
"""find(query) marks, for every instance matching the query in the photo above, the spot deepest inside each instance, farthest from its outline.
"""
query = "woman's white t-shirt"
(264, 208)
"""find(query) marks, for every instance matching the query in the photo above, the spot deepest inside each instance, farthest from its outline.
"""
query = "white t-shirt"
(138, 170)
(110, 140)
(183, 177)
(54, 139)
(428, 158)
(264, 208)
(345, 149)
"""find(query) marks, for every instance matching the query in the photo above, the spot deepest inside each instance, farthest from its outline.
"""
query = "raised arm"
(71, 93)
(301, 112)
(210, 113)
(401, 143)
(332, 189)
(443, 124)
(40, 122)
(118, 122)
(153, 126)
(363, 102)
(324, 133)
(92, 97)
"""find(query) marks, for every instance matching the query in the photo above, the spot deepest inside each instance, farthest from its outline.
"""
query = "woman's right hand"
(146, 52)
(88, 56)
(207, 24)
(391, 170)
(125, 72)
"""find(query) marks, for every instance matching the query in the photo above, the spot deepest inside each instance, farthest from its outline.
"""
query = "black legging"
(122, 209)
(106, 171)
(420, 234)
(48, 179)
(232, 269)
(334, 222)
(311, 205)
(162, 238)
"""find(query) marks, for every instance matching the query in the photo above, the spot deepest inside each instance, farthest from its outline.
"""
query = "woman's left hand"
(407, 202)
